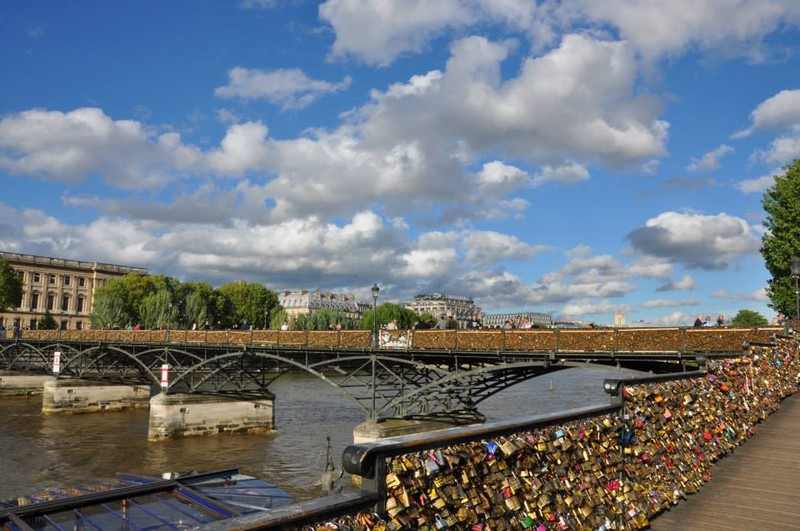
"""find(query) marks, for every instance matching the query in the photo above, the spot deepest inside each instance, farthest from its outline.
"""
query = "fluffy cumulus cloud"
(378, 31)
(669, 303)
(781, 150)
(686, 283)
(726, 27)
(781, 111)
(695, 240)
(575, 103)
(290, 88)
(711, 160)
(489, 247)
(759, 295)
(758, 185)
(72, 146)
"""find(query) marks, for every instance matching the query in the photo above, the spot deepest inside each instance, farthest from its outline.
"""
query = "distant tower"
(619, 318)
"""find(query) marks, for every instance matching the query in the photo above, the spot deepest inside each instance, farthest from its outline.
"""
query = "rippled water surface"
(39, 451)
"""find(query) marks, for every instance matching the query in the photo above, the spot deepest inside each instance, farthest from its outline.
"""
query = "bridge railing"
(599, 467)
(619, 340)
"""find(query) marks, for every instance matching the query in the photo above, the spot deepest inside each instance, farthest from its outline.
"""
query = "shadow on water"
(39, 451)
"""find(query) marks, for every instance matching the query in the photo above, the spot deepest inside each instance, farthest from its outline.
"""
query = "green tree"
(47, 322)
(749, 318)
(248, 300)
(322, 320)
(158, 310)
(387, 312)
(10, 286)
(781, 241)
(109, 311)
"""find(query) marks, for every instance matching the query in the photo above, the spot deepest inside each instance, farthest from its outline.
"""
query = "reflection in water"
(39, 451)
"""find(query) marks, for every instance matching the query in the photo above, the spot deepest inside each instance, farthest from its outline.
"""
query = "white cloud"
(673, 319)
(258, 4)
(778, 112)
(290, 88)
(725, 27)
(684, 284)
(758, 185)
(710, 160)
(760, 295)
(782, 150)
(485, 248)
(696, 240)
(244, 147)
(580, 308)
(568, 173)
(377, 31)
(74, 145)
(546, 113)
(669, 303)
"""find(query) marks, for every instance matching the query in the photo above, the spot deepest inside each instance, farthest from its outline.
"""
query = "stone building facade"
(497, 320)
(439, 304)
(305, 302)
(64, 288)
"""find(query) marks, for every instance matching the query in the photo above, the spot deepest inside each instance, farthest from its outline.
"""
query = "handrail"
(608, 340)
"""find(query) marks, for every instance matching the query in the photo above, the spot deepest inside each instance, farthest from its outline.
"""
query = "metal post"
(375, 290)
(372, 414)
(794, 268)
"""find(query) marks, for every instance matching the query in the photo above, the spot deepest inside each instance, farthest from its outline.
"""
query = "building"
(63, 288)
(496, 320)
(305, 302)
(439, 304)
(619, 318)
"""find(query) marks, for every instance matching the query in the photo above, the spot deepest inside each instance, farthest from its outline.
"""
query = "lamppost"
(266, 318)
(794, 267)
(375, 290)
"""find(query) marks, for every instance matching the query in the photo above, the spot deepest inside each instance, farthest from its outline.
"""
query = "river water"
(38, 451)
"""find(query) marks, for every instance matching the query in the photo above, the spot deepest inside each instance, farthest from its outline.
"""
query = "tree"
(47, 322)
(248, 302)
(387, 312)
(158, 311)
(781, 241)
(324, 319)
(10, 286)
(749, 318)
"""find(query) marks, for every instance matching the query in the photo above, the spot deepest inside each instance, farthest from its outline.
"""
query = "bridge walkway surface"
(755, 488)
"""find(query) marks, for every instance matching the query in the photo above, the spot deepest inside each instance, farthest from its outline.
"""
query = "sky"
(575, 158)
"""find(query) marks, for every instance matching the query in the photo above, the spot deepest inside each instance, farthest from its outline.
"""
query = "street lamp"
(375, 290)
(266, 318)
(794, 267)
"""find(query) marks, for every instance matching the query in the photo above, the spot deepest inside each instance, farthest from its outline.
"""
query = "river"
(38, 451)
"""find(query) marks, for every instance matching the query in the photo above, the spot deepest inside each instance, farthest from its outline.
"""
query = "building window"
(79, 308)
(51, 279)
(65, 303)
(35, 300)
(63, 325)
(67, 280)
(78, 325)
(32, 326)
(37, 277)
(51, 301)
(81, 282)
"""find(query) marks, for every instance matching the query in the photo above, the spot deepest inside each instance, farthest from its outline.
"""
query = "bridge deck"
(757, 487)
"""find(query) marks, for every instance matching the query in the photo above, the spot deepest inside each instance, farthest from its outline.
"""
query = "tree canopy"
(387, 312)
(749, 318)
(163, 302)
(781, 241)
(10, 286)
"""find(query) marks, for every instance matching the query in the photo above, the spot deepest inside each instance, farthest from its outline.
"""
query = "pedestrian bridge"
(410, 373)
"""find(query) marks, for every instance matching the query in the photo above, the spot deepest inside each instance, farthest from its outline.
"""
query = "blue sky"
(574, 158)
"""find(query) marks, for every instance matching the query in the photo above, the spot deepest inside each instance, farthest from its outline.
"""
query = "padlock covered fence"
(594, 468)
(621, 340)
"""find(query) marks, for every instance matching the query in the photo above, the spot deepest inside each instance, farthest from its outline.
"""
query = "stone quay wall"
(613, 470)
